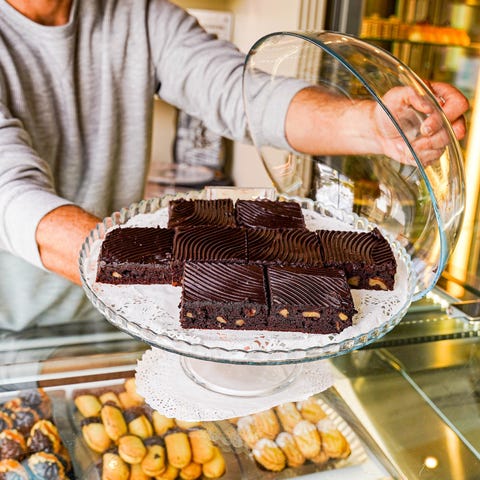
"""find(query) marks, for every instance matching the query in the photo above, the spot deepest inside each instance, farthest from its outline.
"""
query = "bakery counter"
(407, 406)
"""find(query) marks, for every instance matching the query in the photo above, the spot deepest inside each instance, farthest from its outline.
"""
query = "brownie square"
(266, 213)
(366, 257)
(136, 255)
(310, 300)
(219, 296)
(283, 247)
(185, 213)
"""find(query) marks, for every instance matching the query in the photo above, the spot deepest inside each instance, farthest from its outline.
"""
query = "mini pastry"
(12, 470)
(136, 473)
(215, 467)
(138, 423)
(113, 420)
(170, 473)
(247, 430)
(202, 445)
(24, 419)
(45, 466)
(321, 458)
(88, 405)
(114, 468)
(12, 445)
(307, 439)
(110, 397)
(191, 472)
(268, 454)
(131, 388)
(131, 449)
(154, 462)
(44, 437)
(95, 435)
(334, 443)
(185, 424)
(179, 452)
(289, 415)
(287, 444)
(267, 424)
(6, 421)
(38, 400)
(311, 410)
(161, 423)
(127, 401)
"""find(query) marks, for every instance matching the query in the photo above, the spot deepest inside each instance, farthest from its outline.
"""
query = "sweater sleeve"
(203, 76)
(26, 190)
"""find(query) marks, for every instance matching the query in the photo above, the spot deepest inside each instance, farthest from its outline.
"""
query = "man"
(77, 81)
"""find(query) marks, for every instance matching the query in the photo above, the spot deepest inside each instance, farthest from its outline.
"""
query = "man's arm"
(60, 235)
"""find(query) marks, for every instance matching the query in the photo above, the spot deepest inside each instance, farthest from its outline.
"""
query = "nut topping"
(116, 275)
(376, 282)
(283, 312)
(311, 314)
(221, 320)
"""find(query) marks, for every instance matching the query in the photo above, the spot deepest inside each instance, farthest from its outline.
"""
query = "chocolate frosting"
(190, 213)
(139, 244)
(323, 287)
(223, 283)
(368, 247)
(209, 244)
(269, 214)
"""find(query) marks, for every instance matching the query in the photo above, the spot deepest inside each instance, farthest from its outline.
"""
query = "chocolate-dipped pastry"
(292, 247)
(161, 423)
(366, 257)
(266, 213)
(201, 444)
(95, 435)
(88, 405)
(221, 296)
(24, 418)
(6, 421)
(44, 437)
(113, 467)
(138, 422)
(138, 255)
(216, 466)
(179, 452)
(154, 462)
(45, 466)
(12, 445)
(131, 448)
(310, 300)
(37, 399)
(113, 420)
(131, 388)
(110, 397)
(12, 470)
(185, 213)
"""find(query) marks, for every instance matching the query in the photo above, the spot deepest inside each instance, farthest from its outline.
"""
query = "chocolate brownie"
(366, 257)
(141, 255)
(310, 300)
(220, 296)
(283, 247)
(192, 213)
(269, 214)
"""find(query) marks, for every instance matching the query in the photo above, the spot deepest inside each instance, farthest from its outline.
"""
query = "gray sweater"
(75, 125)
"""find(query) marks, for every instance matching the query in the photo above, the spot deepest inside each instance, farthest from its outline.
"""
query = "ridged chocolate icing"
(210, 244)
(138, 244)
(223, 283)
(269, 214)
(191, 213)
(322, 287)
(368, 247)
(291, 246)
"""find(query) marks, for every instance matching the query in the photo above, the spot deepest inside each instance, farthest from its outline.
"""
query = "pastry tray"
(239, 460)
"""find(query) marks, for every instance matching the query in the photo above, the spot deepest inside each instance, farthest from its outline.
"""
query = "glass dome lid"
(414, 194)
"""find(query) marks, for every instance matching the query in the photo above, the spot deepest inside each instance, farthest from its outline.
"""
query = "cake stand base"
(240, 380)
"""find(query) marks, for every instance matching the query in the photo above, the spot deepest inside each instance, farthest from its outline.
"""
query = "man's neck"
(46, 12)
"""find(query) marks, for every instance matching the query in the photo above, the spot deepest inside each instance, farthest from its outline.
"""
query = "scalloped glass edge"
(217, 354)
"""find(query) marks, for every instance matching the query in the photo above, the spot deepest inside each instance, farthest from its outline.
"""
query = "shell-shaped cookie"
(307, 438)
(267, 424)
(248, 431)
(334, 442)
(311, 410)
(268, 454)
(289, 415)
(289, 447)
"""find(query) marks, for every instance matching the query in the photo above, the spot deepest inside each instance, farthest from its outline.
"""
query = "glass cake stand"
(418, 204)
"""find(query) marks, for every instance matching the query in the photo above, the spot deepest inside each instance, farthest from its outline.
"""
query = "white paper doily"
(161, 380)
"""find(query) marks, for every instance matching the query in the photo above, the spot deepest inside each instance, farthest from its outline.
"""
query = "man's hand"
(60, 235)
